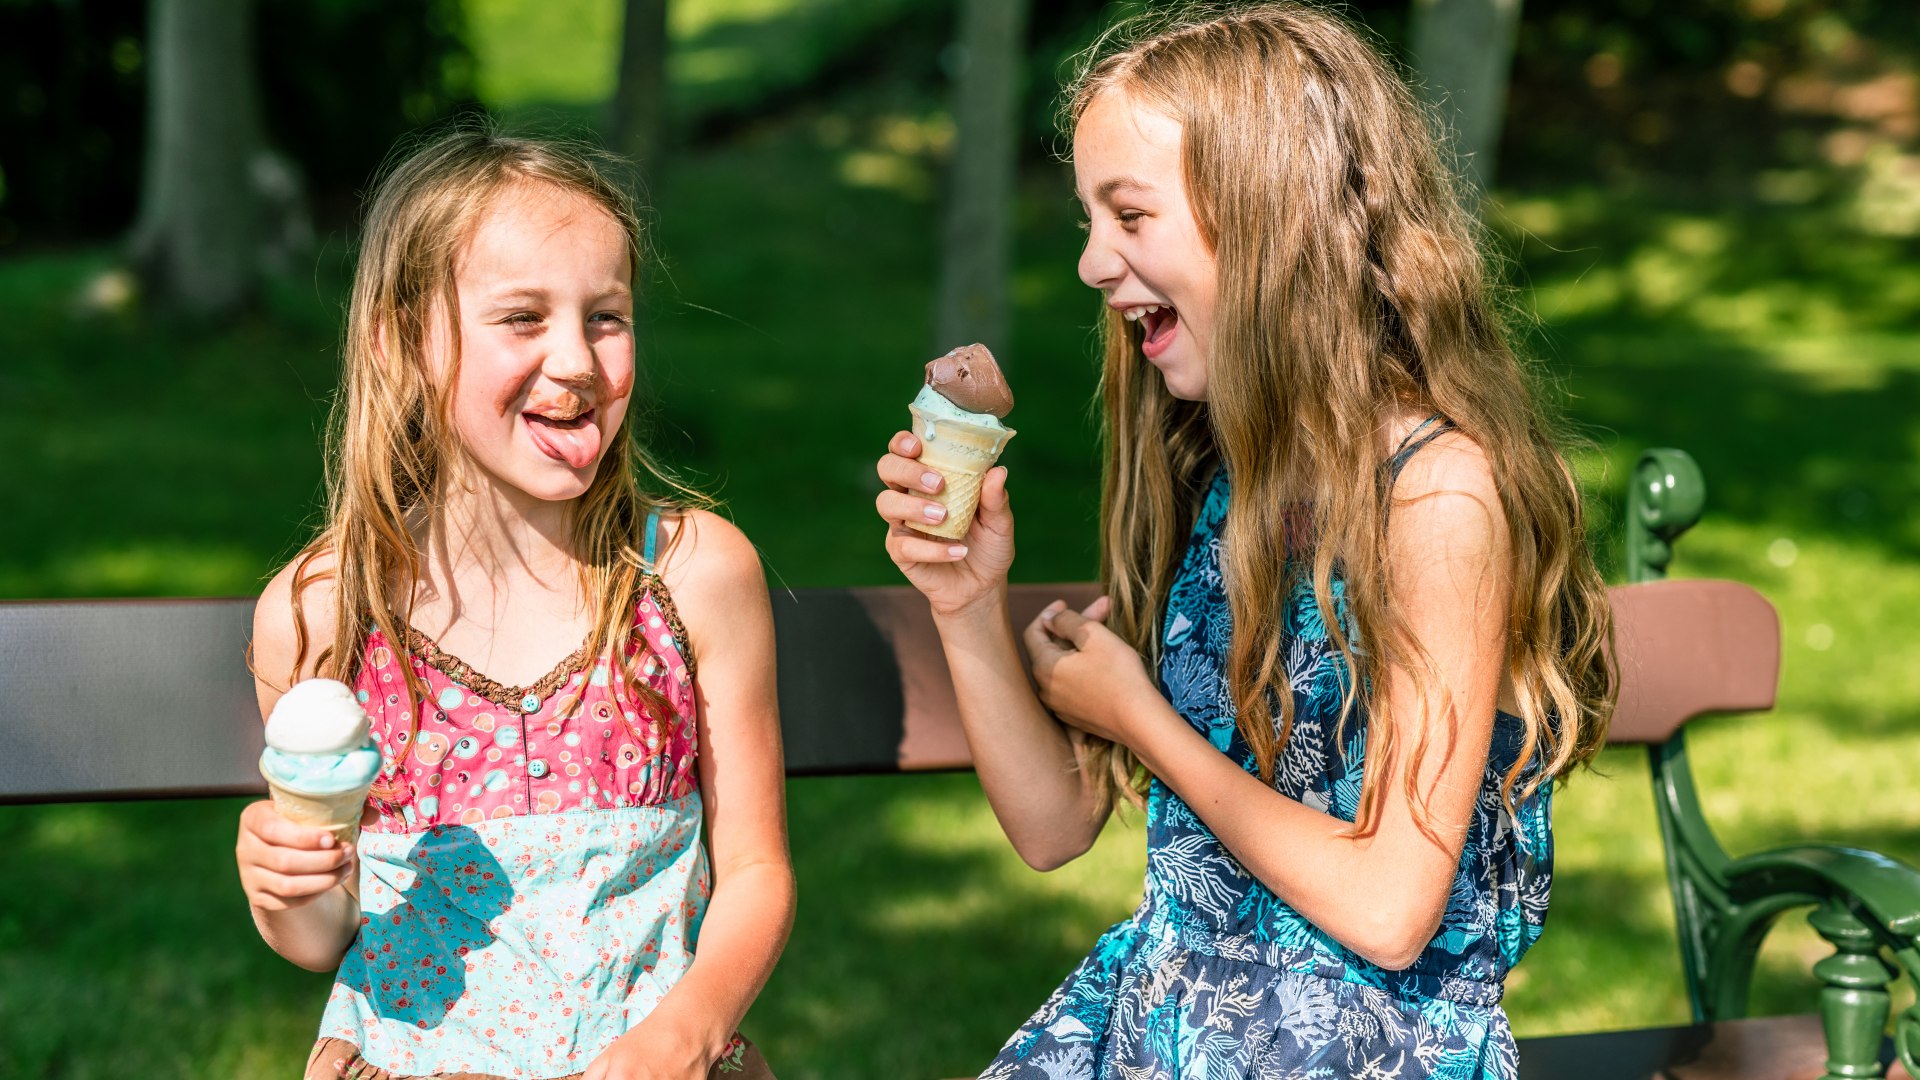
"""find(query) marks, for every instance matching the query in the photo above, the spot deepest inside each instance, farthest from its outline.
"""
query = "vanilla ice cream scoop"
(318, 716)
(319, 740)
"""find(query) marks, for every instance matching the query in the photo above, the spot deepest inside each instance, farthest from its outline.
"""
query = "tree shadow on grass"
(915, 954)
(1775, 446)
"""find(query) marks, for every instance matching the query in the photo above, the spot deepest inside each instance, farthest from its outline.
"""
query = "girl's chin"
(1182, 381)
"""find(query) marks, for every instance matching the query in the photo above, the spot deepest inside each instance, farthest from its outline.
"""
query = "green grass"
(729, 57)
(783, 341)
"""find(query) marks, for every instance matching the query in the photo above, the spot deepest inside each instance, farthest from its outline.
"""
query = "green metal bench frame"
(1865, 904)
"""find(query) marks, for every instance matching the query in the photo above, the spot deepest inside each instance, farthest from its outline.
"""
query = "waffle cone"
(338, 813)
(961, 453)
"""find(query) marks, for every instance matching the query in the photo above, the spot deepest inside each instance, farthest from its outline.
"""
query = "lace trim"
(514, 699)
(517, 699)
(654, 586)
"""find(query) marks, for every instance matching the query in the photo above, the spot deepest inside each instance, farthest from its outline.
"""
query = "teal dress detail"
(1214, 976)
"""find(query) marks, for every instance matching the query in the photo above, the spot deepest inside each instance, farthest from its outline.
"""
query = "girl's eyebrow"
(519, 294)
(1108, 187)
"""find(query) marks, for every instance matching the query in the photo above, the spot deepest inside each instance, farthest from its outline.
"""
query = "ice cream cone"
(961, 453)
(339, 812)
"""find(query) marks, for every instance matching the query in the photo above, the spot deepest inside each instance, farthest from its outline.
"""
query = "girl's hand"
(655, 1049)
(284, 866)
(955, 575)
(1086, 674)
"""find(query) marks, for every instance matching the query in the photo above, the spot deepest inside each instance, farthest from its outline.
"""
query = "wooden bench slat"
(1767, 1048)
(151, 698)
(127, 699)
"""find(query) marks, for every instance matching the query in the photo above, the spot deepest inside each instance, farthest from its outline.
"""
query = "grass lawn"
(784, 340)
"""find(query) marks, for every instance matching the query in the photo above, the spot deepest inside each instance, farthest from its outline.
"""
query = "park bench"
(864, 689)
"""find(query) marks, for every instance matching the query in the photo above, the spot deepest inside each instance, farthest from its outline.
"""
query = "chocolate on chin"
(970, 378)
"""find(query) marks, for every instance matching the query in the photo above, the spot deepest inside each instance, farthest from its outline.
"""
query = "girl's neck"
(484, 528)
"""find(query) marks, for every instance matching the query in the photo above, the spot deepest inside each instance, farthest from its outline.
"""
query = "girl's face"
(546, 340)
(1144, 249)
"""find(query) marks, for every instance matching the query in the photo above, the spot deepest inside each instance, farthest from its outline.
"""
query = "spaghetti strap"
(1430, 429)
(653, 533)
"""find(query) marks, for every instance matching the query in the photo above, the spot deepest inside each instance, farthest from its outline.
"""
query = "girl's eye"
(522, 319)
(614, 317)
(1129, 217)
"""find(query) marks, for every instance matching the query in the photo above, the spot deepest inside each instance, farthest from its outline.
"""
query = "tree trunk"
(977, 248)
(639, 110)
(1464, 50)
(196, 242)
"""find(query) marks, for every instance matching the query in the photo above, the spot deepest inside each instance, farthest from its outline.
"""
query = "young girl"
(1351, 633)
(568, 676)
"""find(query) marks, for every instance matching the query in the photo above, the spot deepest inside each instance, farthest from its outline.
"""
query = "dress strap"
(1430, 429)
(653, 536)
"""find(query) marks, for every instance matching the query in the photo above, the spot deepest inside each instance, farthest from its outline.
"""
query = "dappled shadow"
(917, 951)
(455, 889)
(1775, 446)
(1773, 345)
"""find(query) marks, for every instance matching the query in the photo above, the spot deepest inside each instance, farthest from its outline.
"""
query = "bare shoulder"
(1446, 492)
(299, 602)
(711, 568)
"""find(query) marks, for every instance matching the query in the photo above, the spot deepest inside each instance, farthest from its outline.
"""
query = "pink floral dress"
(536, 883)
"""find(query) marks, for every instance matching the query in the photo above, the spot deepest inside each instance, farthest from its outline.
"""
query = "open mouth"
(1156, 323)
(573, 439)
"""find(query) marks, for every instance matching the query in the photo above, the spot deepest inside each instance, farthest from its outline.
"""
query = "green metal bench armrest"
(1885, 890)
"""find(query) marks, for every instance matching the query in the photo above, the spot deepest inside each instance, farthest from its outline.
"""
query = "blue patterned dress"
(1214, 977)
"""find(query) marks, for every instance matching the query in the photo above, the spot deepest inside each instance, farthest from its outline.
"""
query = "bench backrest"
(151, 699)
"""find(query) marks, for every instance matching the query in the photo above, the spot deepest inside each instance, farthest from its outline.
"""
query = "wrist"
(985, 613)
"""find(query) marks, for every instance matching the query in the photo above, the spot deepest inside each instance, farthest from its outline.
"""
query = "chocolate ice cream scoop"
(969, 377)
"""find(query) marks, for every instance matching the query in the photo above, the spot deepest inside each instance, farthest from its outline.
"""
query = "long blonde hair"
(390, 441)
(1350, 288)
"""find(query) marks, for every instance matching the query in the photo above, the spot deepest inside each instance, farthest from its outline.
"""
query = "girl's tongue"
(1157, 328)
(575, 441)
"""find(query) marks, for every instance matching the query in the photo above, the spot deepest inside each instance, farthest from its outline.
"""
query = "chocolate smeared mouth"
(562, 420)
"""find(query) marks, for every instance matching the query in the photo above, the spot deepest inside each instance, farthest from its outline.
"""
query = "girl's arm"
(1028, 763)
(295, 877)
(714, 575)
(1381, 894)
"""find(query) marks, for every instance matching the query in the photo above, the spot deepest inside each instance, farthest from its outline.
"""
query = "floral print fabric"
(1214, 976)
(537, 884)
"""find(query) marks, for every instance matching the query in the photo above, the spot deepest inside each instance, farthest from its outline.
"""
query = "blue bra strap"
(653, 534)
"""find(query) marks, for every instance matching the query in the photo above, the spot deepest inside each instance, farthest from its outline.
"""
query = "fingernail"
(933, 512)
(909, 444)
(326, 840)
(958, 551)
(930, 481)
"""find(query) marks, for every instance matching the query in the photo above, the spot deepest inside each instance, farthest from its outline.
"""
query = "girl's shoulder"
(1431, 456)
(1446, 502)
(293, 623)
(711, 569)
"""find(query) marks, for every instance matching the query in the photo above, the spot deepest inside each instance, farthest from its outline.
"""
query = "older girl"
(1351, 632)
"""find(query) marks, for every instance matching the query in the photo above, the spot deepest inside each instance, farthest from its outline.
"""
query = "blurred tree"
(988, 63)
(1464, 52)
(638, 123)
(196, 242)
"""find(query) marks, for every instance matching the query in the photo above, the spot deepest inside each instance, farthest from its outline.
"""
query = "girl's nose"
(1100, 267)
(571, 360)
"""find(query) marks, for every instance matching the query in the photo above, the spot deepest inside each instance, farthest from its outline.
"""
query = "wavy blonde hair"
(390, 440)
(1351, 288)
